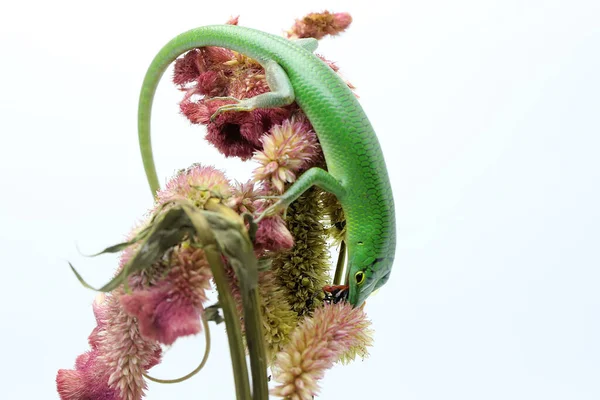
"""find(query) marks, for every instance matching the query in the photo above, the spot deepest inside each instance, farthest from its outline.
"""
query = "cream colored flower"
(316, 345)
(287, 149)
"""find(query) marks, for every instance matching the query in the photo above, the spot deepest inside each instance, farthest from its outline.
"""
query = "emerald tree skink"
(356, 171)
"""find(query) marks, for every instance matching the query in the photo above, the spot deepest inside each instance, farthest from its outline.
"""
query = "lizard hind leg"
(310, 44)
(313, 177)
(281, 94)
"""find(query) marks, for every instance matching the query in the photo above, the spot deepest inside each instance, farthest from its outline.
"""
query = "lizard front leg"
(313, 177)
(281, 94)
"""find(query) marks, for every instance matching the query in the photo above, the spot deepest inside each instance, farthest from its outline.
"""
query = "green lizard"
(356, 172)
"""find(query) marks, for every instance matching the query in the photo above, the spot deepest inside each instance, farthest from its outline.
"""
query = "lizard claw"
(272, 209)
(222, 98)
(222, 109)
(238, 105)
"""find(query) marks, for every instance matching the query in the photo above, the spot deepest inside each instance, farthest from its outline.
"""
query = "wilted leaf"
(165, 231)
(228, 229)
(212, 314)
(171, 225)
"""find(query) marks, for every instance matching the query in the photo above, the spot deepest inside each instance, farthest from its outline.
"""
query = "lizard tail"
(229, 36)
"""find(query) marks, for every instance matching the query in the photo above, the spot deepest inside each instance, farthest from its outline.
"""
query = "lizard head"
(366, 277)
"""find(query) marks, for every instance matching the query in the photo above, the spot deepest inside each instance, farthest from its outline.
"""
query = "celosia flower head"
(213, 72)
(278, 320)
(316, 345)
(173, 307)
(273, 235)
(244, 197)
(234, 134)
(287, 150)
(303, 270)
(317, 25)
(197, 184)
(113, 369)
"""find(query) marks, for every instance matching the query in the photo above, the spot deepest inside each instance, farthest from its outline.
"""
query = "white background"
(488, 114)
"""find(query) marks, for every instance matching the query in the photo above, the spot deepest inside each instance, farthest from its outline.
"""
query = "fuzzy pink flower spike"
(235, 134)
(318, 25)
(113, 369)
(272, 233)
(174, 306)
(214, 72)
(287, 150)
(315, 346)
(196, 183)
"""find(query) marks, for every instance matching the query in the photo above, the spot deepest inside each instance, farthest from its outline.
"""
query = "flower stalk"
(256, 345)
(232, 323)
(198, 368)
(339, 268)
(245, 265)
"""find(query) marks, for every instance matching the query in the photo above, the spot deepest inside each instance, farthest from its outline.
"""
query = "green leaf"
(122, 246)
(172, 224)
(212, 313)
(236, 246)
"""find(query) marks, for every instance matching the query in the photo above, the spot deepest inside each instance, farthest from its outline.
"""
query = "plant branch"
(198, 368)
(339, 269)
(256, 344)
(232, 324)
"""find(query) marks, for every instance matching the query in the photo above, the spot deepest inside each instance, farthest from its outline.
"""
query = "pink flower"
(336, 69)
(113, 369)
(273, 235)
(235, 134)
(245, 197)
(317, 25)
(287, 150)
(233, 20)
(172, 308)
(186, 68)
(189, 68)
(197, 183)
(212, 72)
(315, 346)
(82, 383)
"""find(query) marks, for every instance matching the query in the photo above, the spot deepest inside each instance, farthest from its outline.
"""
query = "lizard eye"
(360, 277)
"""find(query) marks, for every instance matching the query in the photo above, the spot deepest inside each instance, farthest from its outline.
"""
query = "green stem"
(256, 343)
(339, 269)
(198, 368)
(232, 324)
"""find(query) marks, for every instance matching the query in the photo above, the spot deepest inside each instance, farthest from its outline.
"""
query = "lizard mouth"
(336, 293)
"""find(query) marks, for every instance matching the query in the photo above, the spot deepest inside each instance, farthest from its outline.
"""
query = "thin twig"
(256, 344)
(339, 269)
(232, 324)
(198, 368)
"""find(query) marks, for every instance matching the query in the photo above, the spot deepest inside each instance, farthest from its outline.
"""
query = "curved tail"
(241, 39)
(161, 62)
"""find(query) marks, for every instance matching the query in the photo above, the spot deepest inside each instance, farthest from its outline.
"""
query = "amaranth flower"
(304, 270)
(278, 320)
(119, 356)
(287, 150)
(173, 307)
(316, 345)
(198, 184)
(272, 234)
(317, 25)
(234, 133)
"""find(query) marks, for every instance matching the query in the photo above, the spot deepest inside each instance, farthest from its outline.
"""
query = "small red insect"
(335, 293)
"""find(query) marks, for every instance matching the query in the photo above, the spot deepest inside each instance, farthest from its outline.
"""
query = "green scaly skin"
(357, 174)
